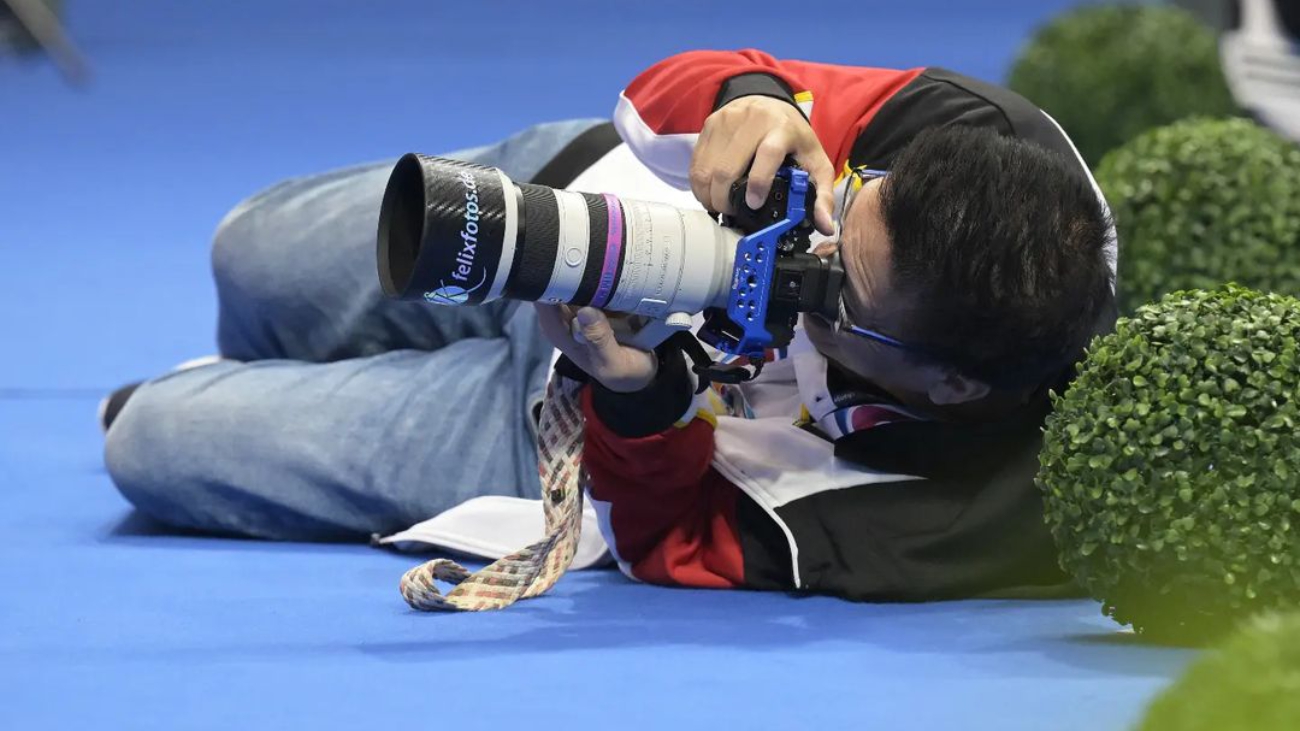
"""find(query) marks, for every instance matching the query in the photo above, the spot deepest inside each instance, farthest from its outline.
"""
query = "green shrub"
(1250, 683)
(1171, 467)
(1108, 72)
(1204, 202)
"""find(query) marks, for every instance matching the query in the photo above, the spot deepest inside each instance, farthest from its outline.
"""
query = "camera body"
(774, 278)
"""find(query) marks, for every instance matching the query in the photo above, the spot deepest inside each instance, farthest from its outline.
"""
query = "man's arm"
(669, 518)
(698, 119)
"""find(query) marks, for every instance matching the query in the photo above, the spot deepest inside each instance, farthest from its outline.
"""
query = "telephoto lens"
(455, 233)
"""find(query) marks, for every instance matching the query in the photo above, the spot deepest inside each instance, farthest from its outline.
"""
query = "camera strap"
(531, 570)
(706, 368)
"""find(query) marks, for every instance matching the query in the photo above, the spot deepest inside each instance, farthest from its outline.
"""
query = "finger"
(554, 322)
(732, 162)
(570, 318)
(768, 157)
(720, 190)
(550, 319)
(547, 315)
(823, 176)
(701, 158)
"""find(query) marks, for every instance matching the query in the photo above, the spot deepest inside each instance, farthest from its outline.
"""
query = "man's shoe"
(112, 404)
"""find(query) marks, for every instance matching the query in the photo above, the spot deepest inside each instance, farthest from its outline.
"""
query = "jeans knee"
(307, 243)
(140, 455)
(241, 249)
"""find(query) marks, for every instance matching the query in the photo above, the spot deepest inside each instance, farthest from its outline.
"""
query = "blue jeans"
(340, 413)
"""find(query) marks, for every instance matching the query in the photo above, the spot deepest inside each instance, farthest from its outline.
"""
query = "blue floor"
(107, 198)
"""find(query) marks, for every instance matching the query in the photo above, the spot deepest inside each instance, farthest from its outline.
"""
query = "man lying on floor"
(887, 455)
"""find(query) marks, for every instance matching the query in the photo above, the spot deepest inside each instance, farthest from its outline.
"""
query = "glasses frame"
(858, 177)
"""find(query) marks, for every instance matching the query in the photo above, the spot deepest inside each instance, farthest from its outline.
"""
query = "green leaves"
(1170, 482)
(1204, 202)
(1107, 73)
(1249, 682)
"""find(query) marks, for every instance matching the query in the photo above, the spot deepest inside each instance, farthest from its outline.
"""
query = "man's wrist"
(632, 385)
(652, 409)
(755, 84)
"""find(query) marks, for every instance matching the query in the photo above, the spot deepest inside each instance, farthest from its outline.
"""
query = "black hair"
(999, 245)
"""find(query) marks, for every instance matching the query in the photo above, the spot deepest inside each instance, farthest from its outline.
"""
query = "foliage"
(1171, 467)
(1205, 202)
(1109, 72)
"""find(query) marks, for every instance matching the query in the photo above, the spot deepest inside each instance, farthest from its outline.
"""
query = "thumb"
(823, 176)
(593, 327)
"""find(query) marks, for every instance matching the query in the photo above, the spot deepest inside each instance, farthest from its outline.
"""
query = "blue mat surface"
(108, 198)
(108, 623)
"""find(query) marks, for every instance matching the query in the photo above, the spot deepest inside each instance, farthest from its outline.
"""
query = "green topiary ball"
(1250, 683)
(1171, 467)
(1204, 202)
(1108, 72)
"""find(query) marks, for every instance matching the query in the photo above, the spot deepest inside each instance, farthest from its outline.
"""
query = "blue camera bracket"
(751, 284)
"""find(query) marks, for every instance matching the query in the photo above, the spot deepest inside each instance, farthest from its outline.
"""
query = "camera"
(456, 233)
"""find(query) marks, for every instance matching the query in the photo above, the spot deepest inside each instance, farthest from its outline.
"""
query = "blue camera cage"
(751, 284)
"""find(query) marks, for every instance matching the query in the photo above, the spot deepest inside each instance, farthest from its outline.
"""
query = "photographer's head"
(975, 271)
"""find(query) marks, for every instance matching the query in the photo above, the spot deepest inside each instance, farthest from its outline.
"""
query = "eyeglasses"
(843, 324)
(858, 178)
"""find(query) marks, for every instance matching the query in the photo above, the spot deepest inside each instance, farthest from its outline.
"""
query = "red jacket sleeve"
(665, 106)
(668, 516)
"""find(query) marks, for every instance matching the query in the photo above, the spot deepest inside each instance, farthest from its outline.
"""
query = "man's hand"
(762, 130)
(588, 339)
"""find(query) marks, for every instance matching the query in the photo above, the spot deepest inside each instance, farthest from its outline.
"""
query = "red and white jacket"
(804, 479)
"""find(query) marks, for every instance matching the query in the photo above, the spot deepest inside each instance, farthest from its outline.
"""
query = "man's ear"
(949, 388)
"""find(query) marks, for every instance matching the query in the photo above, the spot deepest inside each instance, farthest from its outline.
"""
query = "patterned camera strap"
(532, 570)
